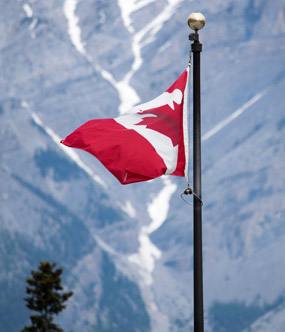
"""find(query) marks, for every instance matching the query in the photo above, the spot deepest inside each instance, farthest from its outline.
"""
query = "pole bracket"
(194, 36)
(196, 47)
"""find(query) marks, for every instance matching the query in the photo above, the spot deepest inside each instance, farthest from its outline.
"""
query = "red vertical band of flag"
(149, 141)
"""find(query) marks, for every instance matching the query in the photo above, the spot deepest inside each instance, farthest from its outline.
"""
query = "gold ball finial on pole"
(196, 21)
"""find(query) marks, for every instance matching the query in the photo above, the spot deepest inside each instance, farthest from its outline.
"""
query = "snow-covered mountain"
(127, 250)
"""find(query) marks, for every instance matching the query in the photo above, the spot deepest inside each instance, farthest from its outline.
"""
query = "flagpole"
(196, 21)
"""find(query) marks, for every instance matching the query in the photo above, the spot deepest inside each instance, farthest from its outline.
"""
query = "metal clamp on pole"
(194, 36)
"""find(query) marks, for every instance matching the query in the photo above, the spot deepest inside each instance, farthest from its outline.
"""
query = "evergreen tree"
(45, 298)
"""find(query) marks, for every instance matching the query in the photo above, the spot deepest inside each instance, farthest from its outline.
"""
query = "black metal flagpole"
(196, 21)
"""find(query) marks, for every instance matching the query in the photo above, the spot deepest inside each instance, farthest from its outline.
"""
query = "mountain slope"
(127, 250)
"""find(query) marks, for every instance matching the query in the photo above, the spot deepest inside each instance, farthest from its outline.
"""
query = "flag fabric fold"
(148, 141)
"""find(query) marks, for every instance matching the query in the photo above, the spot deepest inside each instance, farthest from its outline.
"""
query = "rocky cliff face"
(127, 250)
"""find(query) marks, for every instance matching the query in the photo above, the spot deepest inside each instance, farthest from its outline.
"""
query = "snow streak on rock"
(127, 94)
(233, 116)
(74, 31)
(139, 40)
(129, 209)
(148, 33)
(148, 253)
(71, 153)
(130, 6)
(29, 12)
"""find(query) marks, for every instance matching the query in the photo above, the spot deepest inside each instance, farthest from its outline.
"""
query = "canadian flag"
(148, 141)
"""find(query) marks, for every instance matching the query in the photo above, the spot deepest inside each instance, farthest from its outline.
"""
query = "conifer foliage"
(44, 297)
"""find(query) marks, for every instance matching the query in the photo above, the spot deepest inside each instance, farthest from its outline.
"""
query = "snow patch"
(155, 25)
(159, 207)
(74, 31)
(33, 24)
(148, 253)
(130, 6)
(29, 12)
(233, 116)
(27, 8)
(164, 47)
(138, 42)
(127, 94)
(72, 154)
(129, 209)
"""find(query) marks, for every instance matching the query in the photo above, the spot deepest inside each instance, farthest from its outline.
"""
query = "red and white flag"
(149, 141)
